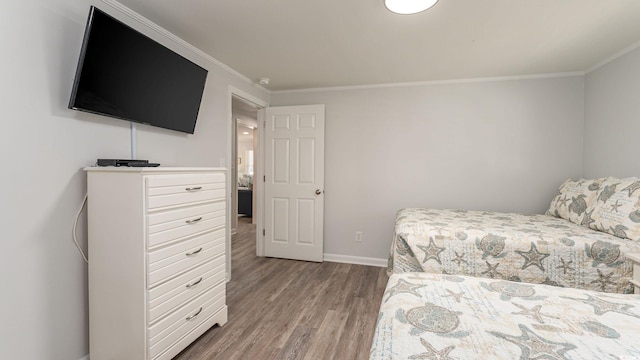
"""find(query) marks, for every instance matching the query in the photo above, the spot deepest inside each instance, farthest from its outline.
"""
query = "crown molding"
(431, 83)
(613, 57)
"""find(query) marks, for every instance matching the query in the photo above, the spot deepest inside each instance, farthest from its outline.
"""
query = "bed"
(439, 316)
(580, 242)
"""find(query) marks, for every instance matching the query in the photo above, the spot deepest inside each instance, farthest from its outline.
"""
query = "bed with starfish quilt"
(438, 316)
(581, 242)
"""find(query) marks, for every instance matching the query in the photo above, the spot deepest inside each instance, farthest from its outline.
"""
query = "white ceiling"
(325, 43)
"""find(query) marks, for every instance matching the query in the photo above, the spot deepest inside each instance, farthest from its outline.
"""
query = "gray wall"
(492, 145)
(612, 118)
(45, 146)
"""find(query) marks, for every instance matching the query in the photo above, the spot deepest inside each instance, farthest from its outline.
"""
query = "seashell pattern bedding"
(436, 316)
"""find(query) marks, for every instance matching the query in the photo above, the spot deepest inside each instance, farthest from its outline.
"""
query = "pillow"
(616, 209)
(573, 199)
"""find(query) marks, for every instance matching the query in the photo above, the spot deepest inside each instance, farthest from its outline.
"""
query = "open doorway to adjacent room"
(244, 117)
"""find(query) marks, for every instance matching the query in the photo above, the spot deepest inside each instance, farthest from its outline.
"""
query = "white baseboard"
(357, 260)
(86, 357)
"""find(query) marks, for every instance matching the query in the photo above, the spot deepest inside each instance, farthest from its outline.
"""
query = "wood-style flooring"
(287, 309)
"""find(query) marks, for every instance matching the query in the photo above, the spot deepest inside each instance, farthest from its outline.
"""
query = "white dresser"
(157, 240)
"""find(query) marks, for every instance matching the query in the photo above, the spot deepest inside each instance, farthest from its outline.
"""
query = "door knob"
(318, 192)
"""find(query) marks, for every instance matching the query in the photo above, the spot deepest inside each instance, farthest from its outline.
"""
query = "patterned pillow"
(573, 199)
(616, 209)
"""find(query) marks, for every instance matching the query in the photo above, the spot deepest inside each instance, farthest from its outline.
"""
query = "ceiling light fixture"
(264, 81)
(406, 7)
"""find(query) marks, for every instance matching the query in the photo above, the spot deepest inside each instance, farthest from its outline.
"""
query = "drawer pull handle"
(194, 188)
(193, 221)
(194, 315)
(194, 284)
(193, 252)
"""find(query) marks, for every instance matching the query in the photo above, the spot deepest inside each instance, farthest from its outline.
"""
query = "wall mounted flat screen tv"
(126, 75)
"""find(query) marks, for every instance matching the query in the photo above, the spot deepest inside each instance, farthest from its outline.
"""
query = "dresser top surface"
(151, 170)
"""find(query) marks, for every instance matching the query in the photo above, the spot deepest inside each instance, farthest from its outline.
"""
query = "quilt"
(539, 249)
(437, 316)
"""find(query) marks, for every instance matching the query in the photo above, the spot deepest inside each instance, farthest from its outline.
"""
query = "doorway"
(245, 123)
(243, 109)
(304, 127)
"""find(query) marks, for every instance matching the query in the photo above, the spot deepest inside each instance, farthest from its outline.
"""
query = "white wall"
(494, 145)
(45, 146)
(612, 118)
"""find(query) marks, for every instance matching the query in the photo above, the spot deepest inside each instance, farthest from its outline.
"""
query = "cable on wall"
(75, 226)
(134, 145)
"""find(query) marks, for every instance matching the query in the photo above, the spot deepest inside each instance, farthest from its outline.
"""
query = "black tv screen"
(126, 75)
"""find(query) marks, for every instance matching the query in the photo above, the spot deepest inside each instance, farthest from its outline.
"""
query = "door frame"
(258, 183)
(231, 143)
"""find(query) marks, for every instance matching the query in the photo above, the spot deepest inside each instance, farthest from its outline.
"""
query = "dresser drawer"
(183, 215)
(181, 196)
(184, 180)
(170, 295)
(170, 261)
(220, 318)
(173, 190)
(167, 226)
(175, 326)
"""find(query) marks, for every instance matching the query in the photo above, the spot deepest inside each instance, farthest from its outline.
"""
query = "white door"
(294, 182)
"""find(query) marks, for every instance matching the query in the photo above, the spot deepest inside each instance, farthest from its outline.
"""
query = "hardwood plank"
(298, 344)
(329, 333)
(359, 339)
(287, 309)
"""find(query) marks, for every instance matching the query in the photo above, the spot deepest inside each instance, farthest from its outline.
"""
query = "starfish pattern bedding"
(539, 249)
